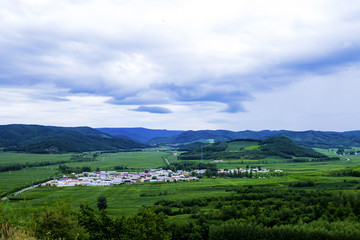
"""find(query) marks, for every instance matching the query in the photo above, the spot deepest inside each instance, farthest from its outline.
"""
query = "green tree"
(101, 203)
(147, 225)
(100, 226)
(58, 222)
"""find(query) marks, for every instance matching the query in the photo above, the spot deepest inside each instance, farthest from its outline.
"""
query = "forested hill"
(254, 149)
(306, 138)
(140, 134)
(44, 139)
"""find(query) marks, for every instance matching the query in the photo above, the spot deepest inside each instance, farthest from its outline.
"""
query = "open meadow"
(127, 199)
(133, 161)
(305, 198)
(16, 179)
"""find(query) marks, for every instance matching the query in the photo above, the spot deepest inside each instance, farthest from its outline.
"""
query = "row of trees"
(327, 159)
(189, 166)
(349, 172)
(75, 158)
(68, 170)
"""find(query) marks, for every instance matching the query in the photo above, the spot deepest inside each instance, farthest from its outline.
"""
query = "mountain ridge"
(139, 134)
(310, 138)
(254, 149)
(45, 139)
(22, 137)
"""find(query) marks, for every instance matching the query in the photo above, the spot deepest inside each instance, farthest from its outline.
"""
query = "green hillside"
(45, 139)
(139, 134)
(253, 149)
(311, 139)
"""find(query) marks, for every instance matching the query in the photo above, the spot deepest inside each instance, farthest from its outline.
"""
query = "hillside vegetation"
(139, 134)
(47, 139)
(252, 149)
(306, 200)
(307, 138)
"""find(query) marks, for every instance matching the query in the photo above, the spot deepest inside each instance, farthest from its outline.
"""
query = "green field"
(132, 160)
(9, 158)
(305, 195)
(235, 146)
(12, 180)
(127, 199)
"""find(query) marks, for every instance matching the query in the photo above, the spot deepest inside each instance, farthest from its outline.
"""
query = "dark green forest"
(251, 212)
(274, 146)
(45, 139)
(312, 139)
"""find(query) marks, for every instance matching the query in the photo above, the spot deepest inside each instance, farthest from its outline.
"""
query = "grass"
(127, 199)
(124, 200)
(12, 180)
(132, 160)
(235, 146)
(9, 158)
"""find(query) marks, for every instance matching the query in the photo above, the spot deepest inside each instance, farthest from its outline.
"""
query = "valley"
(270, 186)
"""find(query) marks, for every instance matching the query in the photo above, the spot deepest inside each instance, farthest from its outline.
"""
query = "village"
(110, 178)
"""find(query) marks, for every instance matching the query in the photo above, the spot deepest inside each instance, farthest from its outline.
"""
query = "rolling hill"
(45, 139)
(139, 134)
(306, 138)
(253, 149)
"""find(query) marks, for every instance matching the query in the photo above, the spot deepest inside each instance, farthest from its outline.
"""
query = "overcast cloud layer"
(181, 64)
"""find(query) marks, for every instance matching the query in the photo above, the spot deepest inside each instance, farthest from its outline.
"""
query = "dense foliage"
(45, 139)
(190, 146)
(349, 172)
(189, 166)
(286, 148)
(139, 134)
(274, 146)
(312, 139)
(251, 212)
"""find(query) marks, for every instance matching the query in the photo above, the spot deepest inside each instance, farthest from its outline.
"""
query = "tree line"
(74, 158)
(251, 212)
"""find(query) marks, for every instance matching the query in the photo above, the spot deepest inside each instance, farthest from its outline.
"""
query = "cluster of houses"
(114, 178)
(248, 170)
(110, 178)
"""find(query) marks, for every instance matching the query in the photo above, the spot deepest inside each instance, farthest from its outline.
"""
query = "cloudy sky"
(186, 64)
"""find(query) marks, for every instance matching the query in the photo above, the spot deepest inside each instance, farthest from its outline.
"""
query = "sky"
(181, 64)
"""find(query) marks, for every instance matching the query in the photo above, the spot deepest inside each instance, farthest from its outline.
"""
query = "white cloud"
(327, 102)
(175, 54)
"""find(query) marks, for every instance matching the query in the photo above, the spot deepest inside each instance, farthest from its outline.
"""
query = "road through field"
(22, 190)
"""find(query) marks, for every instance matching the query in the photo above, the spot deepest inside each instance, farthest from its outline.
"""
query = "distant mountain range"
(323, 139)
(306, 138)
(48, 139)
(37, 138)
(140, 134)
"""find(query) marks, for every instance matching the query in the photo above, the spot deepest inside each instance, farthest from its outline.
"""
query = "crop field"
(9, 158)
(131, 160)
(12, 180)
(236, 146)
(127, 199)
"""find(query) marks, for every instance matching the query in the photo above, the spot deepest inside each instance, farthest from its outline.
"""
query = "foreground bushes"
(251, 212)
(233, 230)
